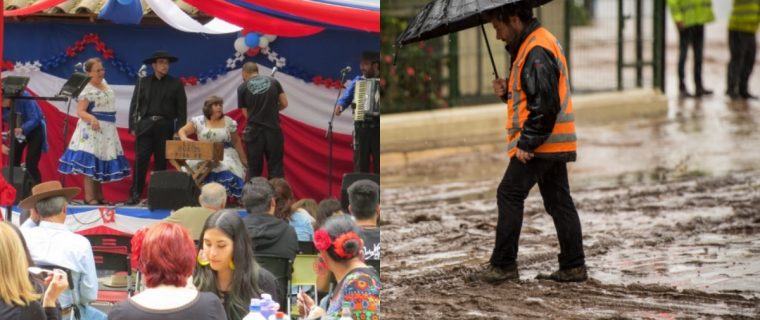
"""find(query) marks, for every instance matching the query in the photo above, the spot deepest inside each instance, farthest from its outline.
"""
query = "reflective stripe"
(561, 137)
(515, 93)
(512, 144)
(564, 117)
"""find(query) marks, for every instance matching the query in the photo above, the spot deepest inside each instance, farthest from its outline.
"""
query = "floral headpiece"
(322, 242)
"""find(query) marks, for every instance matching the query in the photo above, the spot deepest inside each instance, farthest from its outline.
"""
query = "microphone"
(274, 70)
(347, 69)
(141, 71)
(79, 66)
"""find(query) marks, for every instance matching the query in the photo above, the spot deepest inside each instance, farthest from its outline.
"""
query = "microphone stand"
(66, 131)
(329, 135)
(11, 154)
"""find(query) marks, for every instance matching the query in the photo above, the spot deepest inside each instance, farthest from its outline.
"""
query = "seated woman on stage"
(214, 126)
(226, 265)
(358, 289)
(95, 149)
(167, 258)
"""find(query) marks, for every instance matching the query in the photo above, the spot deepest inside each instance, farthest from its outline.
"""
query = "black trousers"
(551, 177)
(367, 145)
(693, 36)
(269, 145)
(152, 142)
(743, 47)
(34, 142)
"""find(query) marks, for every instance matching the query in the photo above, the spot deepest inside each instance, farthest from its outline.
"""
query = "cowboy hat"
(160, 54)
(115, 280)
(46, 190)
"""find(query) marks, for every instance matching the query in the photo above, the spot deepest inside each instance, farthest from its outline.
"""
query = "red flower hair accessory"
(340, 241)
(322, 240)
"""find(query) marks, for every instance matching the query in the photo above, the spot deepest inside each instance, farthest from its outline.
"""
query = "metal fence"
(614, 45)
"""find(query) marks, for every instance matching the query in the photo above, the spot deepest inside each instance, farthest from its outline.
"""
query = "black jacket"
(165, 97)
(271, 236)
(540, 81)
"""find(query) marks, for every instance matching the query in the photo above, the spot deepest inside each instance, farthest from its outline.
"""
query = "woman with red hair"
(167, 259)
(358, 289)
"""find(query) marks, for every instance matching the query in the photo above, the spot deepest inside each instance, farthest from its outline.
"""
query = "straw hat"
(46, 190)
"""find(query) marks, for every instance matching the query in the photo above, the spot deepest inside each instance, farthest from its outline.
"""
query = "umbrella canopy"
(441, 17)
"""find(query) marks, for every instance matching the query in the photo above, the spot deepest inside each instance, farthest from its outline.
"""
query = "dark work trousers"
(266, 144)
(551, 177)
(152, 142)
(367, 145)
(693, 36)
(34, 143)
(743, 47)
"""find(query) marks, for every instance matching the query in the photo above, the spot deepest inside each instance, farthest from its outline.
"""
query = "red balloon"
(252, 52)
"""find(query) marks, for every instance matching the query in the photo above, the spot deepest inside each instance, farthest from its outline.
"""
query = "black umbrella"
(441, 17)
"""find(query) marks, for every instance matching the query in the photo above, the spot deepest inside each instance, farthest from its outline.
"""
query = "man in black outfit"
(158, 112)
(31, 133)
(261, 99)
(367, 132)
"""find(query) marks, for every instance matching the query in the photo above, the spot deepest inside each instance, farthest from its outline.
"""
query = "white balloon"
(263, 42)
(270, 37)
(240, 46)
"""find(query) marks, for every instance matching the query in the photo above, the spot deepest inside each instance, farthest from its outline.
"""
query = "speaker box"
(350, 178)
(22, 181)
(171, 190)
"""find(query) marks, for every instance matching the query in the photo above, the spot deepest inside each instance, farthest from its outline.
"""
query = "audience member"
(51, 243)
(284, 200)
(340, 251)
(213, 198)
(271, 236)
(167, 257)
(226, 265)
(327, 208)
(308, 206)
(19, 299)
(364, 205)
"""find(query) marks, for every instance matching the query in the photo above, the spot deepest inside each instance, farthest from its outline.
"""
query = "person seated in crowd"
(214, 126)
(19, 297)
(364, 205)
(270, 235)
(51, 243)
(167, 258)
(299, 220)
(340, 251)
(226, 266)
(213, 198)
(307, 208)
(327, 208)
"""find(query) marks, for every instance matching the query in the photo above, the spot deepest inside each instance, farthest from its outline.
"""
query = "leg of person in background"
(683, 48)
(90, 192)
(163, 132)
(748, 51)
(734, 65)
(274, 153)
(699, 44)
(254, 150)
(144, 151)
(34, 141)
(375, 145)
(364, 141)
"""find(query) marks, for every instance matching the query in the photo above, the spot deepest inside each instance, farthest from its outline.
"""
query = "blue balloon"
(252, 40)
(124, 2)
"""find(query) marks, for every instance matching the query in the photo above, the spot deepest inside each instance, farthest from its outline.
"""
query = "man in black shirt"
(158, 112)
(261, 99)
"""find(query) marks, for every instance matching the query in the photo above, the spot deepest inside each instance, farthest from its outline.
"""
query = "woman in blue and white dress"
(95, 149)
(214, 126)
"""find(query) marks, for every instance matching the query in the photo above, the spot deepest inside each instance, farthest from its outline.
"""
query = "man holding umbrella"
(541, 140)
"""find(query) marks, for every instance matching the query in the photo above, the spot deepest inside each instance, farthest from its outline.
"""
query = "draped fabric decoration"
(122, 11)
(252, 20)
(39, 6)
(168, 11)
(2, 41)
(359, 19)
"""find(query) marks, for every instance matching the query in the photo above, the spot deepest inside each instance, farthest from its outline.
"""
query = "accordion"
(367, 99)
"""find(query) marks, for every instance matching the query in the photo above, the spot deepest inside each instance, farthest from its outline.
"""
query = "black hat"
(372, 56)
(160, 54)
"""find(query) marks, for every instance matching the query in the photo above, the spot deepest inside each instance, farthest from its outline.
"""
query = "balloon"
(124, 2)
(263, 43)
(240, 45)
(252, 39)
(253, 52)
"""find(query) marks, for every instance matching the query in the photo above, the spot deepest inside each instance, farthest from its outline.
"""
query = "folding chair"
(306, 247)
(281, 268)
(304, 275)
(110, 240)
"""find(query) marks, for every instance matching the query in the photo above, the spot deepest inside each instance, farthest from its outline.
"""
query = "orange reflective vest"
(562, 138)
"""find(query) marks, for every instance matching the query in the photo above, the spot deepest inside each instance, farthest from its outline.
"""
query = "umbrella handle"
(490, 55)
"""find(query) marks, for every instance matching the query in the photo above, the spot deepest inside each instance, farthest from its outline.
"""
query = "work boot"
(684, 93)
(577, 274)
(496, 274)
(134, 200)
(748, 96)
(703, 92)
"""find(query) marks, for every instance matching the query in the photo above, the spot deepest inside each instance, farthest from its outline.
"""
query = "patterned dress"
(230, 172)
(96, 154)
(361, 289)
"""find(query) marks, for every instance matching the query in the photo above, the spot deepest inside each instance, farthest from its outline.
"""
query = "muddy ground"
(686, 248)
